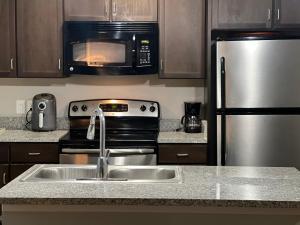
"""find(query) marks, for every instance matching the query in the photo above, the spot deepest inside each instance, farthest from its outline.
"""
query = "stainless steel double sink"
(77, 173)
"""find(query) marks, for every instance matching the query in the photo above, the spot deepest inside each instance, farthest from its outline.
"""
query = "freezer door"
(259, 73)
(263, 140)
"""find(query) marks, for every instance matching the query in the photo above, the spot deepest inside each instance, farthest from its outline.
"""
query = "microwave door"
(258, 73)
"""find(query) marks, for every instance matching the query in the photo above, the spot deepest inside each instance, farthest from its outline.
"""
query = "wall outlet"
(20, 107)
(28, 105)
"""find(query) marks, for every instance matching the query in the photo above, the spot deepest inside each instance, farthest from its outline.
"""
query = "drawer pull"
(34, 153)
(4, 178)
(182, 155)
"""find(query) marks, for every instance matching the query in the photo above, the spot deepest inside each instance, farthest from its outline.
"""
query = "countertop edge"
(153, 202)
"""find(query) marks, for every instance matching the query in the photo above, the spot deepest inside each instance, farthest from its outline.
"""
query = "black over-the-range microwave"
(96, 48)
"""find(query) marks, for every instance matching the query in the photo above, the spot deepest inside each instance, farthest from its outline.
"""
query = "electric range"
(132, 128)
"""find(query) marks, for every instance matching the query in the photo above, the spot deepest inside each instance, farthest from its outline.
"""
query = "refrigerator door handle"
(223, 86)
(221, 140)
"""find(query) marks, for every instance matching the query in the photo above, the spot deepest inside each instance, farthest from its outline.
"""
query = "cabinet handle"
(106, 8)
(4, 178)
(269, 14)
(34, 153)
(114, 8)
(278, 14)
(12, 64)
(183, 155)
(59, 64)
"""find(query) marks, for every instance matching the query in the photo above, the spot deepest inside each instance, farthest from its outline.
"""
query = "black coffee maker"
(191, 121)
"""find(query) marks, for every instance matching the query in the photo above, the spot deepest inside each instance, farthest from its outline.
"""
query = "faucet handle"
(91, 130)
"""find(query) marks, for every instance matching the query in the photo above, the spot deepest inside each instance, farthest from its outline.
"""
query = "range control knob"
(152, 109)
(84, 108)
(143, 108)
(75, 108)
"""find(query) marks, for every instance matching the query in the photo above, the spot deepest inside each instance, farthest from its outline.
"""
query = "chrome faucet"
(102, 163)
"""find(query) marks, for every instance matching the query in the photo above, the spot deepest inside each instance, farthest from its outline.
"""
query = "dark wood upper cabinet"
(91, 10)
(240, 14)
(182, 38)
(39, 38)
(287, 14)
(134, 10)
(7, 39)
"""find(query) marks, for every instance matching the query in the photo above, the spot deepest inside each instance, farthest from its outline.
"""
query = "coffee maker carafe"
(191, 121)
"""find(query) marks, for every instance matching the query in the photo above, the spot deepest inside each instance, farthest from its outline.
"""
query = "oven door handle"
(112, 151)
(130, 151)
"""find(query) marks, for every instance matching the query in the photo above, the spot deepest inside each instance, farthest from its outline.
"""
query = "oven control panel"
(115, 108)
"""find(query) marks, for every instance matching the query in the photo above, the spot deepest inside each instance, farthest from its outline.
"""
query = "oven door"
(118, 157)
(97, 48)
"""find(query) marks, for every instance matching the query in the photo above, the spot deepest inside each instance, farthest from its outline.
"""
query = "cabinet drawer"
(182, 154)
(4, 152)
(34, 153)
(18, 169)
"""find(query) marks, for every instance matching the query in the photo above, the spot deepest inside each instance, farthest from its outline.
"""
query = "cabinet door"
(39, 38)
(4, 175)
(87, 10)
(4, 152)
(287, 13)
(182, 39)
(7, 38)
(134, 10)
(242, 14)
(18, 169)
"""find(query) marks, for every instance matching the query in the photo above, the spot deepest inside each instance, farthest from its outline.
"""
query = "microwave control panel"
(144, 53)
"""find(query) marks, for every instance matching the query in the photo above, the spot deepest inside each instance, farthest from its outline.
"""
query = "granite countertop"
(181, 137)
(201, 187)
(29, 136)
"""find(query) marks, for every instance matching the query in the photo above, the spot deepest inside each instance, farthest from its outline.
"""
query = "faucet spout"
(102, 162)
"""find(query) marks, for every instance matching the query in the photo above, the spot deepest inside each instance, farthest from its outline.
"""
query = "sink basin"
(87, 173)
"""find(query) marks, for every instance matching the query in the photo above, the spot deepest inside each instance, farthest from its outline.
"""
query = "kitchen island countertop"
(201, 186)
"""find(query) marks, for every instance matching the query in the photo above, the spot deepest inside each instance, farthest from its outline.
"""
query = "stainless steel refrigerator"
(256, 115)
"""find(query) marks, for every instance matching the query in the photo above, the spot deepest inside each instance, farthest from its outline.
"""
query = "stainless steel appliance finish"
(121, 160)
(87, 173)
(262, 140)
(43, 112)
(132, 128)
(259, 73)
(256, 119)
(128, 108)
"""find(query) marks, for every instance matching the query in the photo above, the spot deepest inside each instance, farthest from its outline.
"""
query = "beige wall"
(170, 93)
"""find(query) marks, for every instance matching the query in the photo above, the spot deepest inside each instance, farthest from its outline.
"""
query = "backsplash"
(171, 94)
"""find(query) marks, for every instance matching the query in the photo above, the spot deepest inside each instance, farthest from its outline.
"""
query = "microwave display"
(110, 48)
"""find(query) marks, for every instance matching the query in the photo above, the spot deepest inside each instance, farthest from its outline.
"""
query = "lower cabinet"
(182, 154)
(16, 158)
(18, 169)
(4, 174)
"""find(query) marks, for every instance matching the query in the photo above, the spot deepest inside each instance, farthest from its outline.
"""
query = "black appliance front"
(102, 48)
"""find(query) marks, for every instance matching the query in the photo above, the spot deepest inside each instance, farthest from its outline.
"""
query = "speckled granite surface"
(201, 186)
(18, 123)
(29, 136)
(181, 137)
